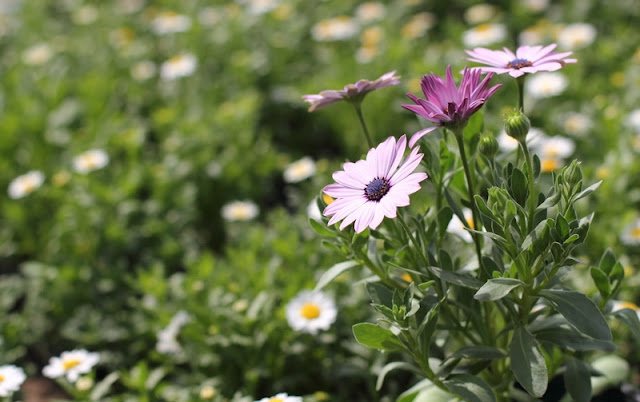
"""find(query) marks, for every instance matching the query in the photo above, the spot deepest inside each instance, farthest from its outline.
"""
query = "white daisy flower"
(535, 5)
(179, 66)
(631, 233)
(633, 120)
(167, 338)
(531, 36)
(170, 22)
(37, 55)
(576, 123)
(299, 170)
(555, 147)
(484, 35)
(85, 15)
(91, 160)
(418, 25)
(311, 311)
(338, 28)
(11, 378)
(207, 392)
(239, 211)
(576, 36)
(544, 85)
(259, 7)
(71, 364)
(281, 397)
(508, 143)
(457, 228)
(370, 11)
(25, 184)
(480, 13)
(143, 70)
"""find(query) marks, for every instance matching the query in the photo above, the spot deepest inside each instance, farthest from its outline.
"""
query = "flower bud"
(572, 173)
(488, 145)
(516, 124)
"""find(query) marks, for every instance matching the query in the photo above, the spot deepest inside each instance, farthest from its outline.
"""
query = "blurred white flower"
(128, 6)
(207, 392)
(480, 13)
(338, 28)
(576, 36)
(84, 383)
(259, 7)
(633, 120)
(209, 16)
(370, 11)
(311, 311)
(617, 305)
(484, 35)
(554, 147)
(170, 22)
(11, 378)
(457, 228)
(418, 25)
(576, 123)
(71, 364)
(281, 397)
(25, 184)
(535, 5)
(167, 338)
(37, 55)
(239, 211)
(313, 211)
(631, 233)
(544, 85)
(143, 70)
(178, 66)
(299, 170)
(508, 143)
(85, 15)
(89, 161)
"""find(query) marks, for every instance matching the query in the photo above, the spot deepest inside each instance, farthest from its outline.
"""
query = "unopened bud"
(488, 145)
(517, 124)
(572, 173)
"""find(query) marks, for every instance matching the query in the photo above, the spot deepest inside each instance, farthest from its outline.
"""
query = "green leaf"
(470, 388)
(573, 340)
(103, 387)
(587, 191)
(319, 228)
(527, 362)
(607, 261)
(376, 337)
(456, 279)
(495, 289)
(630, 318)
(580, 311)
(333, 272)
(474, 126)
(519, 186)
(393, 366)
(562, 226)
(536, 234)
(577, 380)
(601, 280)
(478, 352)
(380, 294)
(444, 216)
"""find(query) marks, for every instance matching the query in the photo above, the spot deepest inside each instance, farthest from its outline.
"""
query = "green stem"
(358, 107)
(472, 201)
(532, 194)
(520, 82)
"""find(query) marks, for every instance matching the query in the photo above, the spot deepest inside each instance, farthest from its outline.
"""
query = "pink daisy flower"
(527, 59)
(370, 189)
(355, 91)
(447, 105)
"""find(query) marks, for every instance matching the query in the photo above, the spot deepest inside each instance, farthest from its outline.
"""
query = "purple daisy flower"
(355, 91)
(527, 59)
(447, 105)
(370, 189)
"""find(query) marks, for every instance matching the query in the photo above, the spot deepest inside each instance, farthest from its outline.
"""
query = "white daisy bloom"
(418, 25)
(531, 36)
(457, 228)
(167, 338)
(259, 7)
(239, 211)
(178, 66)
(11, 378)
(85, 15)
(338, 28)
(631, 233)
(311, 311)
(544, 85)
(555, 147)
(299, 170)
(281, 397)
(25, 184)
(170, 22)
(143, 70)
(37, 55)
(91, 160)
(209, 16)
(535, 5)
(576, 36)
(484, 35)
(576, 123)
(370, 11)
(313, 211)
(71, 364)
(633, 120)
(508, 143)
(480, 13)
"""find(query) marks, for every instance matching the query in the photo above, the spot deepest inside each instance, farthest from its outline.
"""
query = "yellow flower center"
(629, 305)
(483, 28)
(176, 59)
(69, 364)
(276, 400)
(310, 311)
(549, 165)
(89, 161)
(406, 277)
(1, 378)
(635, 232)
(469, 220)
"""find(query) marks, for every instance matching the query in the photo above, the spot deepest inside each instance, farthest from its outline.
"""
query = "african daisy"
(526, 59)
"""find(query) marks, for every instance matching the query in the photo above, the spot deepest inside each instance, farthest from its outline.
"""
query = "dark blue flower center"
(377, 189)
(519, 63)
